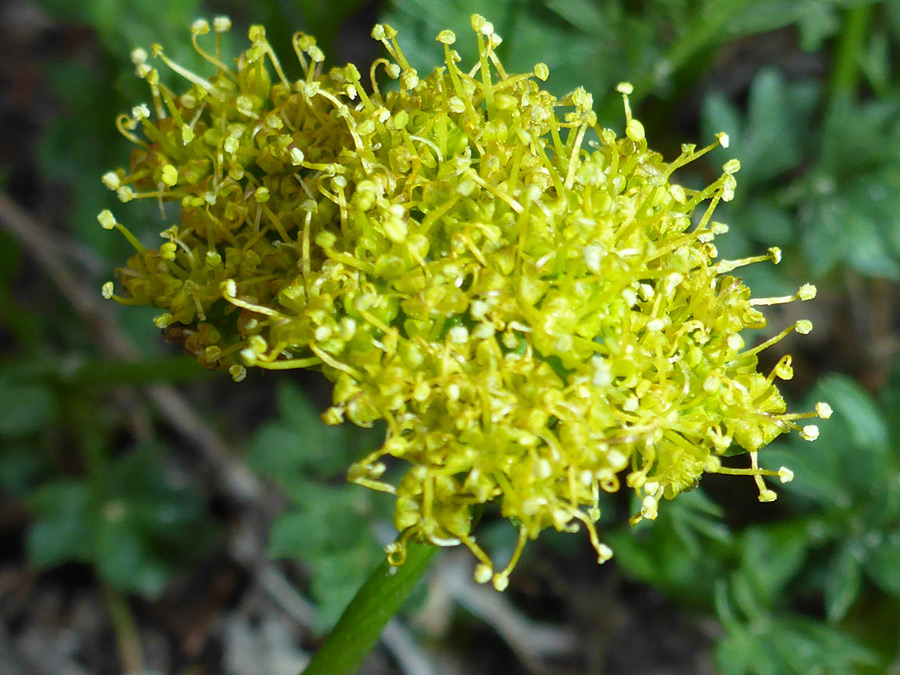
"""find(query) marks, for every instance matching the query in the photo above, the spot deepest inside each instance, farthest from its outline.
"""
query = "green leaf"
(789, 643)
(583, 15)
(890, 402)
(295, 408)
(867, 253)
(883, 564)
(289, 537)
(326, 519)
(300, 443)
(837, 470)
(66, 523)
(876, 62)
(770, 146)
(771, 557)
(325, 19)
(857, 138)
(736, 653)
(823, 238)
(532, 35)
(336, 579)
(125, 24)
(129, 520)
(852, 404)
(682, 552)
(844, 580)
(27, 407)
(168, 369)
(20, 469)
(818, 22)
(772, 138)
(764, 15)
(807, 646)
(719, 114)
(122, 558)
(766, 222)
(275, 451)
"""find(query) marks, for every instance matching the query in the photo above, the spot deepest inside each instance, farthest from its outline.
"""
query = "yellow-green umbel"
(521, 295)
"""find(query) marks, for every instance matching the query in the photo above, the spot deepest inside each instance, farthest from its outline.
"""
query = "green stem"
(125, 628)
(845, 75)
(363, 621)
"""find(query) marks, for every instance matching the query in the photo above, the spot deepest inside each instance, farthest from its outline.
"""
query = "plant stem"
(126, 631)
(362, 622)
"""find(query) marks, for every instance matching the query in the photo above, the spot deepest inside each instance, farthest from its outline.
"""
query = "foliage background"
(206, 526)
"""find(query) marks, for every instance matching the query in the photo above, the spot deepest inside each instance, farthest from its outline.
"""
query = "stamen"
(726, 266)
(108, 222)
(184, 72)
(801, 327)
(806, 292)
(228, 289)
(501, 580)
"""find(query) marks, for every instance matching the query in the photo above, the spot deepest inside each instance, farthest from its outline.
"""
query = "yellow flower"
(519, 293)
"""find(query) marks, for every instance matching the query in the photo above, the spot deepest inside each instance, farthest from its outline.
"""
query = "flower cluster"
(525, 298)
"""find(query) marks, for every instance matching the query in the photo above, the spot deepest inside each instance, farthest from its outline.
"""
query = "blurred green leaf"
(328, 529)
(131, 521)
(122, 557)
(848, 203)
(123, 25)
(300, 443)
(832, 223)
(336, 580)
(27, 406)
(770, 143)
(585, 15)
(771, 557)
(844, 581)
(890, 402)
(852, 404)
(883, 564)
(876, 62)
(20, 468)
(328, 519)
(818, 22)
(768, 223)
(65, 526)
(681, 551)
(790, 644)
(773, 135)
(324, 20)
(836, 471)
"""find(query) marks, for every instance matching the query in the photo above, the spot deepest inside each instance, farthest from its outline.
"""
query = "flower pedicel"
(520, 294)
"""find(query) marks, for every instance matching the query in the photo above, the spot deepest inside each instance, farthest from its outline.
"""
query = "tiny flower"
(810, 432)
(107, 219)
(111, 180)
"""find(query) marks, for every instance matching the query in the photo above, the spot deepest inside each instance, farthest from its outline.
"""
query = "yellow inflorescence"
(520, 294)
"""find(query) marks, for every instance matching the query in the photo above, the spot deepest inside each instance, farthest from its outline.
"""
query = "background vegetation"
(207, 526)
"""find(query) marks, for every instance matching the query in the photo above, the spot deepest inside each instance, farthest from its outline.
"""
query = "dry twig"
(531, 641)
